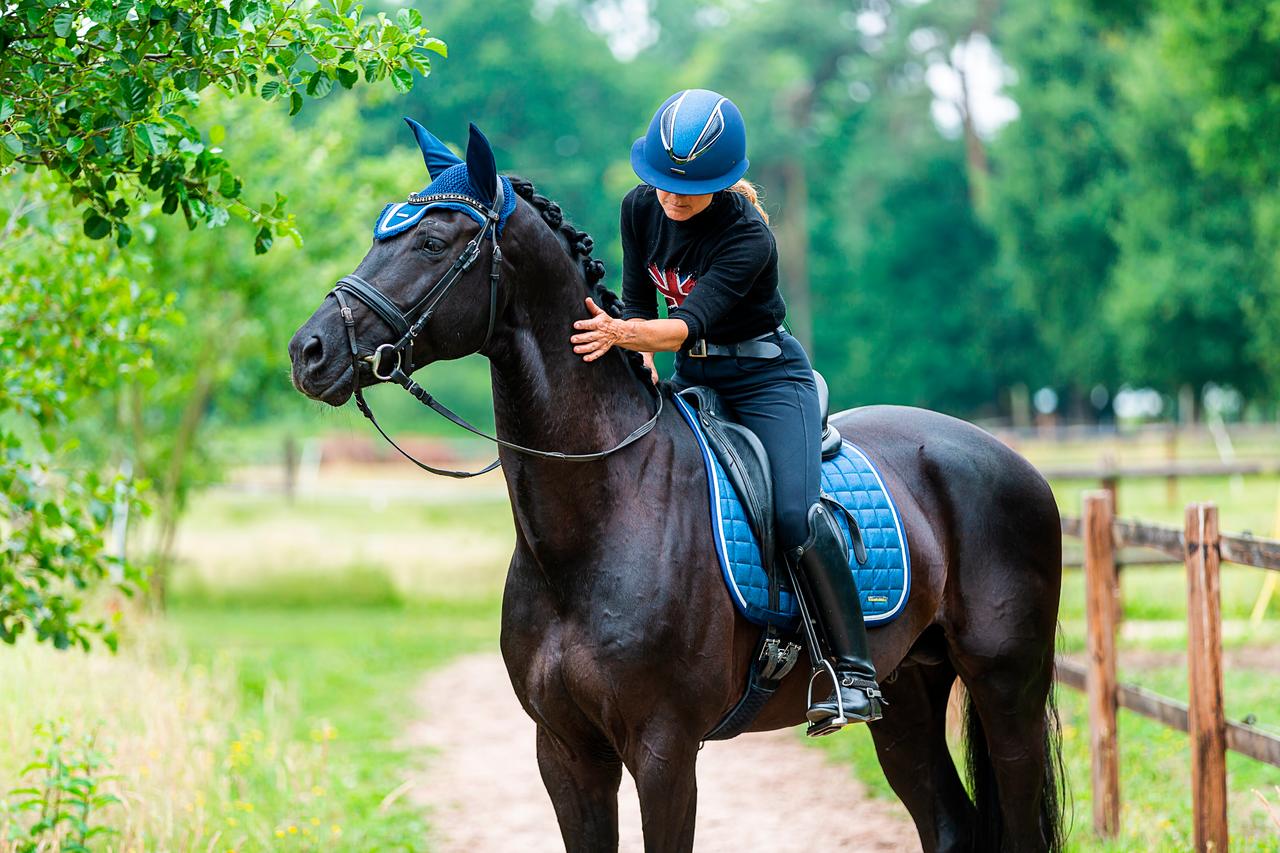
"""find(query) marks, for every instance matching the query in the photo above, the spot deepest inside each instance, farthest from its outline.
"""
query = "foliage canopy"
(99, 93)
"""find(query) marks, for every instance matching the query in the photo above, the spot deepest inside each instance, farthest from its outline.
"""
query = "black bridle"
(402, 324)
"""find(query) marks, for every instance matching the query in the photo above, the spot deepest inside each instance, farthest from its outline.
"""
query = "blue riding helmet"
(696, 144)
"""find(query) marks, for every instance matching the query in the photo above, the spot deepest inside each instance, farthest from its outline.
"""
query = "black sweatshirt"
(727, 251)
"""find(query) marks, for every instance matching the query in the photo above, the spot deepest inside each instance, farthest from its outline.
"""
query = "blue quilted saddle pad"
(884, 582)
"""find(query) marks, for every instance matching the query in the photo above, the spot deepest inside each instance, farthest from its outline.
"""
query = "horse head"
(428, 288)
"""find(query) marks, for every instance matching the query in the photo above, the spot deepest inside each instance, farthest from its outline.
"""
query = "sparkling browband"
(420, 199)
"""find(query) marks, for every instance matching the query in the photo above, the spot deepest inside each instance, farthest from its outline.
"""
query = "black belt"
(756, 347)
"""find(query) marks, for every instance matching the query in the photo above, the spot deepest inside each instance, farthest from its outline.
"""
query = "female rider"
(695, 232)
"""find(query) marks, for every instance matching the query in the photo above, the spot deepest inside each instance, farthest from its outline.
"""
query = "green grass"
(347, 676)
(335, 613)
(282, 678)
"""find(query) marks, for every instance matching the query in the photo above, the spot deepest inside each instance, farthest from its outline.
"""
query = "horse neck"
(546, 397)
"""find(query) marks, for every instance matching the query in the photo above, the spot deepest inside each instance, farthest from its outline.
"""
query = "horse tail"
(982, 780)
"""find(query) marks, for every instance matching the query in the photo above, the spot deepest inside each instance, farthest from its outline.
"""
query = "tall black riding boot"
(832, 600)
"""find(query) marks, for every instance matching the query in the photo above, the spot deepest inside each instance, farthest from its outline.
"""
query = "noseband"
(409, 325)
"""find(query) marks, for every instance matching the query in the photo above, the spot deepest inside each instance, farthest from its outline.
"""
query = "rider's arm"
(652, 335)
(639, 297)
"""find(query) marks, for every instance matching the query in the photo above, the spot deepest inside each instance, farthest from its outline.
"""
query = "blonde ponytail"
(752, 193)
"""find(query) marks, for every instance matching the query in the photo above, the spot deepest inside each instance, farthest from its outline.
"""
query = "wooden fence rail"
(1201, 548)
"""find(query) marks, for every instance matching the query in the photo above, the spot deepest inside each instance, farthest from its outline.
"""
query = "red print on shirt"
(672, 284)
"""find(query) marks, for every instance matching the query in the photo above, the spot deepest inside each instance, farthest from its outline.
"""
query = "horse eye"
(434, 245)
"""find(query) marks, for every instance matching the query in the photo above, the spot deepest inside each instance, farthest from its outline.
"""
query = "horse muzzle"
(321, 369)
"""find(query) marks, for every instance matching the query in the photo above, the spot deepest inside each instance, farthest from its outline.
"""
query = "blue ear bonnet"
(454, 180)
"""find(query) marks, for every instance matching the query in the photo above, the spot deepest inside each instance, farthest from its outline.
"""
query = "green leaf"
(348, 77)
(409, 19)
(152, 138)
(219, 22)
(270, 89)
(320, 85)
(262, 242)
(6, 108)
(95, 227)
(228, 185)
(12, 143)
(295, 102)
(434, 44)
(74, 144)
(257, 12)
(62, 23)
(402, 80)
(133, 93)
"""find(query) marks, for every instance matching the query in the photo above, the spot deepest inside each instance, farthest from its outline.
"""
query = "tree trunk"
(170, 506)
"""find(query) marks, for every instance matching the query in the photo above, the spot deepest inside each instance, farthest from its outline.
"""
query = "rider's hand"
(599, 333)
(648, 362)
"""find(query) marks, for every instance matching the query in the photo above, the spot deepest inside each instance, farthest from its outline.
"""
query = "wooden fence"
(1201, 548)
(1108, 474)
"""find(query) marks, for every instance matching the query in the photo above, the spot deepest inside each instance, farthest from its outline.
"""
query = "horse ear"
(435, 153)
(481, 167)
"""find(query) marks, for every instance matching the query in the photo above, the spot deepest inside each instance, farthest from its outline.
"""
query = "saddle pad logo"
(672, 284)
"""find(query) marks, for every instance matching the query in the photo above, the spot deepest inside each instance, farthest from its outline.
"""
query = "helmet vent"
(710, 132)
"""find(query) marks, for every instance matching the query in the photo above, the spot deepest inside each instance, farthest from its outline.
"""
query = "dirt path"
(757, 792)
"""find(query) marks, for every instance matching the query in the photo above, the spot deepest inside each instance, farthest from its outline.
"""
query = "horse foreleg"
(911, 743)
(664, 769)
(582, 780)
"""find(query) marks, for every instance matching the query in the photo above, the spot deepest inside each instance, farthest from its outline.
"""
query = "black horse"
(619, 636)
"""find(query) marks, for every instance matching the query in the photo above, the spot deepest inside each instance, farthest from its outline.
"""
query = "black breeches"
(776, 399)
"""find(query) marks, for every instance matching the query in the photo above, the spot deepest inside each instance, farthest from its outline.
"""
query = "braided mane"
(580, 246)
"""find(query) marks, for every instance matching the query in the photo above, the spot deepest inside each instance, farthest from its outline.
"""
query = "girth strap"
(775, 656)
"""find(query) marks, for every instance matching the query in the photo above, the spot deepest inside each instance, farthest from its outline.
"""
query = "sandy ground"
(756, 792)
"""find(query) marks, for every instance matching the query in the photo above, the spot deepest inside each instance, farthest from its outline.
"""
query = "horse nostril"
(313, 351)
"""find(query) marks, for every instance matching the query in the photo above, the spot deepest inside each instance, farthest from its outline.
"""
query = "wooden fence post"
(1101, 595)
(1204, 657)
(1110, 483)
(290, 467)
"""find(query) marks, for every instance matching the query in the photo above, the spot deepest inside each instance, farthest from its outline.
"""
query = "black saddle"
(746, 463)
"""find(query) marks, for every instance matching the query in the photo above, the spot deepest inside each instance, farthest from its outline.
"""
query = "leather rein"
(399, 371)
